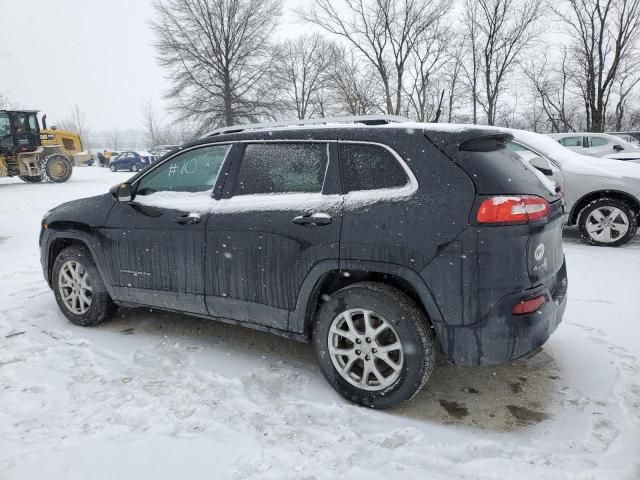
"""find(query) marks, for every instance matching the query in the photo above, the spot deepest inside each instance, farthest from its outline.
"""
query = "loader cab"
(19, 131)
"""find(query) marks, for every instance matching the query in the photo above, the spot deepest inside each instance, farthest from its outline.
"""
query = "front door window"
(193, 171)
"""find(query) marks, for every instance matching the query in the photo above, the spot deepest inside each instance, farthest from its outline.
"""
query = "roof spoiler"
(486, 143)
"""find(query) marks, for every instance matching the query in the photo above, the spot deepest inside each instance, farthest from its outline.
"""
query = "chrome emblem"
(539, 253)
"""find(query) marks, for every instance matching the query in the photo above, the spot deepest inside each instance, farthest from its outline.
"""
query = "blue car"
(132, 161)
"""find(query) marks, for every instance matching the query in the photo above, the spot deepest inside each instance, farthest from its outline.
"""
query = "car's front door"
(575, 143)
(118, 160)
(155, 244)
(280, 217)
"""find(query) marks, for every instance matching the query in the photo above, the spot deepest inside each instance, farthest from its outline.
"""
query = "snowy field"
(158, 395)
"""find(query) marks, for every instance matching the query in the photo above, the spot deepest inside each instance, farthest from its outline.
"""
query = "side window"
(33, 122)
(571, 141)
(597, 141)
(131, 155)
(282, 168)
(192, 171)
(370, 167)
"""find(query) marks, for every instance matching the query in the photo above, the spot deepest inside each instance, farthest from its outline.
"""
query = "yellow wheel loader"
(35, 154)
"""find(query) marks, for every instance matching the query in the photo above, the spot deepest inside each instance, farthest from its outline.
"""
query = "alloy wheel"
(365, 349)
(607, 224)
(75, 288)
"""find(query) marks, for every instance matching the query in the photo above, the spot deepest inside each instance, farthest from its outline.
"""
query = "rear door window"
(370, 167)
(282, 168)
(597, 141)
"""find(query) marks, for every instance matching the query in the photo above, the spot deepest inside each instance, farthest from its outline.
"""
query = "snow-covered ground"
(158, 395)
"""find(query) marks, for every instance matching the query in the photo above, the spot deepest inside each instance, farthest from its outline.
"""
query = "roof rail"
(364, 119)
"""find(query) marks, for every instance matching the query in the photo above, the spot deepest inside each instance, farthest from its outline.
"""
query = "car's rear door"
(598, 146)
(280, 217)
(155, 245)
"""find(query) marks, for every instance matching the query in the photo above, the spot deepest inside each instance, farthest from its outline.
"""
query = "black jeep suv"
(381, 243)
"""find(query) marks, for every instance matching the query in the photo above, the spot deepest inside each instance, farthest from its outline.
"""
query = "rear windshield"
(501, 171)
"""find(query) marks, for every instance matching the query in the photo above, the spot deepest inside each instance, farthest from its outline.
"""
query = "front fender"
(89, 238)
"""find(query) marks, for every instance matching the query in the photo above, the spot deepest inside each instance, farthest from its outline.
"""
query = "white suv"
(602, 195)
(599, 145)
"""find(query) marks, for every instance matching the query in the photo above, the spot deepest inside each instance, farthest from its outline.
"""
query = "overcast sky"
(97, 54)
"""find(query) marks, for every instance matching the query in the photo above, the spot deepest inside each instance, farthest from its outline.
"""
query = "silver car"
(602, 195)
(599, 145)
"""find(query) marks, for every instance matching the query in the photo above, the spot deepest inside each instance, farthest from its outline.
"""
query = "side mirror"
(541, 164)
(122, 192)
(618, 147)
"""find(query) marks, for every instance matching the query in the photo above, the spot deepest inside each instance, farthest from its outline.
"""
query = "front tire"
(79, 289)
(113, 168)
(373, 345)
(608, 222)
(56, 168)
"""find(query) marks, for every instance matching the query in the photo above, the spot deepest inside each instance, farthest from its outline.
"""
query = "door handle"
(313, 220)
(188, 219)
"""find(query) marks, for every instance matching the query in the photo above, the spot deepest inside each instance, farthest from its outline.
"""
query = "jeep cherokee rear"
(377, 243)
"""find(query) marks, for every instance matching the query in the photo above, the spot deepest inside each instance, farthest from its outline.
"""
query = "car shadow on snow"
(498, 398)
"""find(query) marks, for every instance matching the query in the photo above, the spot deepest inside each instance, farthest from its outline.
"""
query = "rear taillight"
(512, 209)
(529, 306)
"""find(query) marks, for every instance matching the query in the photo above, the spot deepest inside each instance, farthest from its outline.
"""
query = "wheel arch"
(582, 203)
(327, 278)
(61, 240)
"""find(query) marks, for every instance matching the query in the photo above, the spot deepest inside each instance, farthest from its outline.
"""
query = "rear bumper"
(501, 336)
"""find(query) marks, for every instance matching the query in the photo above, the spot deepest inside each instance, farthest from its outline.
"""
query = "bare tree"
(77, 122)
(114, 139)
(471, 47)
(152, 125)
(217, 54)
(454, 71)
(498, 32)
(302, 67)
(429, 56)
(354, 85)
(6, 103)
(384, 32)
(550, 84)
(603, 35)
(626, 81)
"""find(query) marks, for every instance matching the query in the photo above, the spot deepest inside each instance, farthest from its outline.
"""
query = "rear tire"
(383, 366)
(31, 179)
(79, 289)
(608, 222)
(56, 168)
(134, 167)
